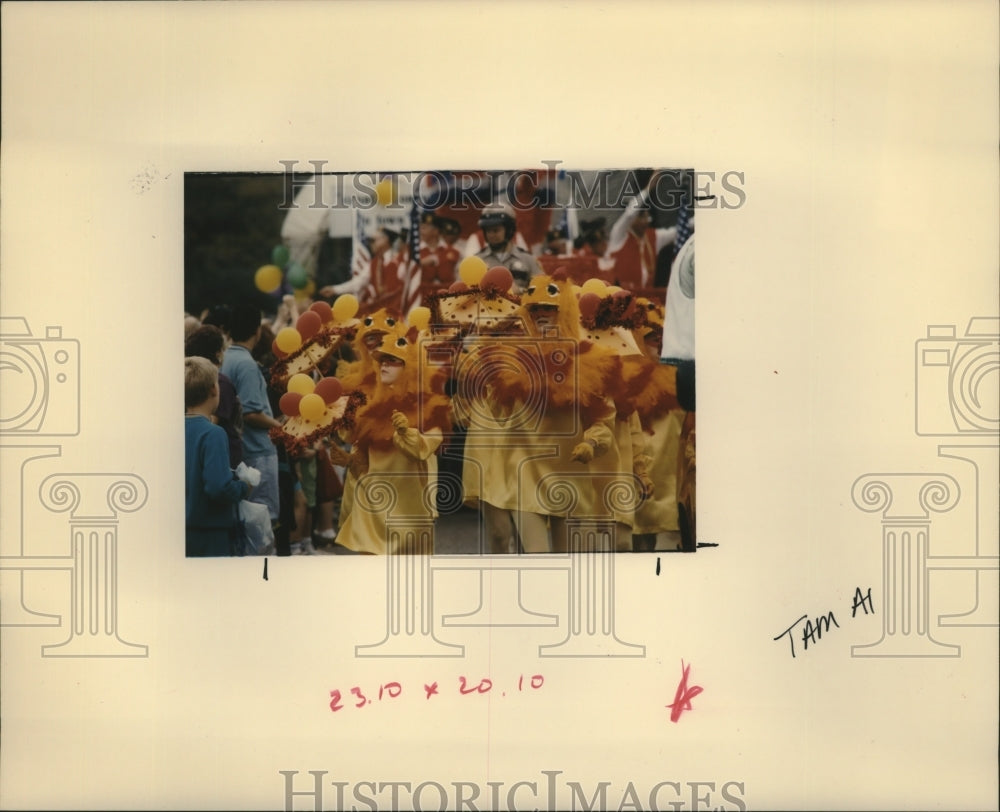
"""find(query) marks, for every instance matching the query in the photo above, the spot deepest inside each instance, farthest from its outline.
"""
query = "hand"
(583, 452)
(646, 486)
(399, 422)
(327, 292)
(339, 457)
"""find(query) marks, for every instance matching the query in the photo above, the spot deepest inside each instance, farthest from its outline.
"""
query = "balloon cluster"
(271, 277)
(309, 324)
(309, 399)
(473, 272)
(611, 303)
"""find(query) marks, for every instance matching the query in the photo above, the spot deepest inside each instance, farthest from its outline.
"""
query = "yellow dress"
(524, 430)
(394, 502)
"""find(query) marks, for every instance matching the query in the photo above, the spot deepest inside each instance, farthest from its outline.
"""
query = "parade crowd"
(546, 385)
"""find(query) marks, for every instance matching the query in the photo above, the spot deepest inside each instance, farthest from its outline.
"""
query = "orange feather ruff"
(652, 389)
(425, 411)
(567, 374)
(418, 394)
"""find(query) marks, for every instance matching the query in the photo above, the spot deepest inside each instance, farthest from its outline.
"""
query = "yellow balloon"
(471, 270)
(301, 383)
(306, 292)
(288, 339)
(268, 278)
(595, 285)
(312, 407)
(345, 307)
(613, 289)
(419, 317)
(384, 192)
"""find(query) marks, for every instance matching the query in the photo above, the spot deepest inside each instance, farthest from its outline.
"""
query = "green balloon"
(280, 256)
(297, 276)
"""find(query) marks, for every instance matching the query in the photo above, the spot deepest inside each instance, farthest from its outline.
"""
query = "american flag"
(410, 270)
(569, 223)
(685, 225)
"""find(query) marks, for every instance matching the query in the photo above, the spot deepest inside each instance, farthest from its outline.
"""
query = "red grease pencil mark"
(684, 695)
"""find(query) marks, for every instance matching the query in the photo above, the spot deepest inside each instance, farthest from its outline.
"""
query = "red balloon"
(589, 303)
(278, 352)
(289, 403)
(309, 324)
(330, 389)
(458, 287)
(324, 310)
(497, 279)
(621, 294)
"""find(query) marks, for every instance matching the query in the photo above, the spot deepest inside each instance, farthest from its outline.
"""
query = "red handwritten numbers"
(482, 688)
(391, 690)
(684, 695)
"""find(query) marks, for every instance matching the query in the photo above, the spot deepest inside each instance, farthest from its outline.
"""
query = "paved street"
(460, 533)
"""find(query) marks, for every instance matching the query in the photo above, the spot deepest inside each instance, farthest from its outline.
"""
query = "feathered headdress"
(555, 291)
(362, 373)
(416, 393)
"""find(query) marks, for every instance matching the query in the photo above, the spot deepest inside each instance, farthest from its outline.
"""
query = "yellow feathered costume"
(397, 435)
(547, 407)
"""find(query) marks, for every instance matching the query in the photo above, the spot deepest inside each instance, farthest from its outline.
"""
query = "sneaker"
(307, 547)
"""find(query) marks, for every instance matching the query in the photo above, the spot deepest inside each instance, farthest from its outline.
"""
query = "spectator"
(288, 484)
(209, 342)
(258, 419)
(191, 323)
(451, 233)
(375, 279)
(437, 258)
(633, 244)
(211, 489)
(218, 315)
